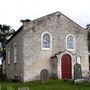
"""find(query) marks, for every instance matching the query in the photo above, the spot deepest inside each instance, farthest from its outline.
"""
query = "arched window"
(46, 40)
(78, 59)
(70, 42)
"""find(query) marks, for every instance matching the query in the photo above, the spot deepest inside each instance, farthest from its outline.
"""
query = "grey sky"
(12, 11)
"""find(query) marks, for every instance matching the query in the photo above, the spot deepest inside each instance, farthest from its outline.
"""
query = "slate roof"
(15, 34)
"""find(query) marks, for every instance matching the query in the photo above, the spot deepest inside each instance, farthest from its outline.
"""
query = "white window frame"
(15, 54)
(74, 43)
(50, 41)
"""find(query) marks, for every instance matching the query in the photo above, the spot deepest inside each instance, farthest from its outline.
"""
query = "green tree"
(5, 33)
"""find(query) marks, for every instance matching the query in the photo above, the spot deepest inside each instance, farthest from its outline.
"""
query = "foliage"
(5, 33)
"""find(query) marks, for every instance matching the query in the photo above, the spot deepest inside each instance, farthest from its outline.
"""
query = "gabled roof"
(71, 20)
(15, 34)
(58, 13)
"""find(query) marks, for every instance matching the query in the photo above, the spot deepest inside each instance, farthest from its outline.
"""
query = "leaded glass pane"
(70, 42)
(46, 40)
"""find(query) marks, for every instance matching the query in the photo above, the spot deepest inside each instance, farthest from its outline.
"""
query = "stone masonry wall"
(36, 59)
(15, 69)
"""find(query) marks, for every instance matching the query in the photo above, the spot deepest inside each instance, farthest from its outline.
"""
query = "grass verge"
(51, 85)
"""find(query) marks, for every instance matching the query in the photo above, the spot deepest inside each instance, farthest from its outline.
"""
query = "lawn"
(51, 85)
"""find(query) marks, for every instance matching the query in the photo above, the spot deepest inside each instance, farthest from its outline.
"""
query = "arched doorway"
(66, 66)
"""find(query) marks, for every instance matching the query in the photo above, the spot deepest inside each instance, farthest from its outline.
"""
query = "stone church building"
(53, 42)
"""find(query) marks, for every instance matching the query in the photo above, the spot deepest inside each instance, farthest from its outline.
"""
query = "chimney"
(25, 21)
(27, 24)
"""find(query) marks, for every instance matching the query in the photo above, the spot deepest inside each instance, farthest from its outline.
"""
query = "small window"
(78, 59)
(3, 66)
(70, 42)
(15, 52)
(46, 41)
(8, 54)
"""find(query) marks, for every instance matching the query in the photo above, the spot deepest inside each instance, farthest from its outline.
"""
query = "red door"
(66, 67)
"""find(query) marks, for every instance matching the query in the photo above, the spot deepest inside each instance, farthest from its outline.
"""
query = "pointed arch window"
(70, 42)
(46, 40)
